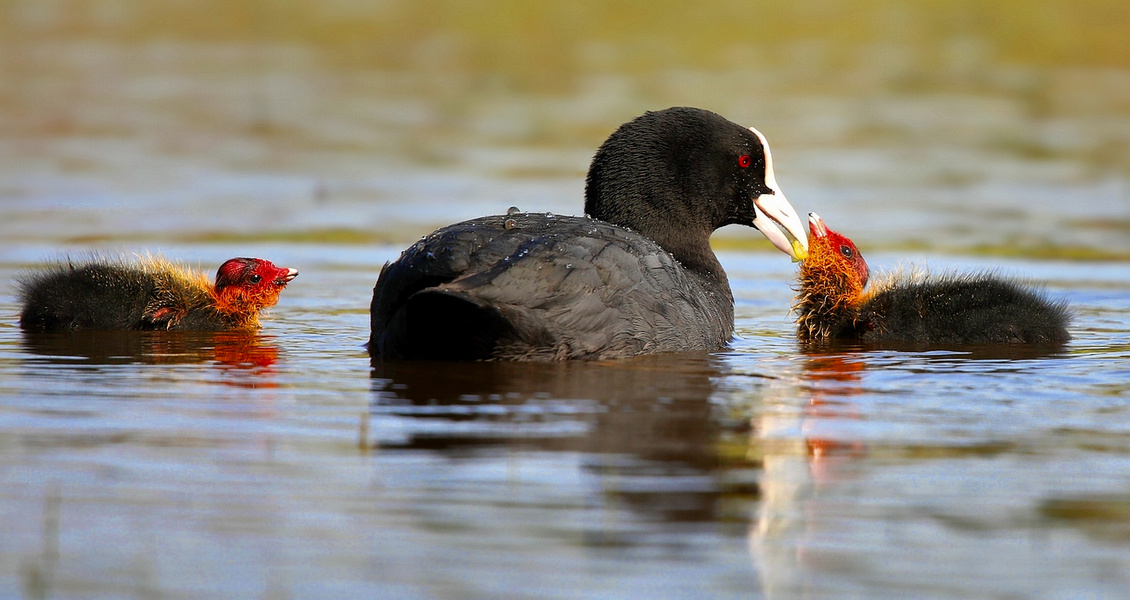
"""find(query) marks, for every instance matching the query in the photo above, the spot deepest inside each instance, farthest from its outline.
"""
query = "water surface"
(282, 465)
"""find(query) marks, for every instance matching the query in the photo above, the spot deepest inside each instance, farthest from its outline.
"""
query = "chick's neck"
(829, 293)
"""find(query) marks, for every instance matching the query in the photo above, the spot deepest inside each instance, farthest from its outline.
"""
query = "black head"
(676, 175)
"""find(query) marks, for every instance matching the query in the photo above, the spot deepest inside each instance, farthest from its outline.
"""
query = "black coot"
(636, 275)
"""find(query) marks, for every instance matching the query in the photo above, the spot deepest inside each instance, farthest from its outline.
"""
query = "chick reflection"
(800, 458)
(644, 427)
(234, 350)
(839, 378)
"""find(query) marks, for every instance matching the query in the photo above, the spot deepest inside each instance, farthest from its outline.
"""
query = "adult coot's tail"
(437, 324)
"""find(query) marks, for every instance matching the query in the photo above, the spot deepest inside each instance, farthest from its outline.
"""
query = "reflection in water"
(808, 450)
(839, 376)
(39, 571)
(235, 350)
(928, 351)
(645, 428)
(797, 462)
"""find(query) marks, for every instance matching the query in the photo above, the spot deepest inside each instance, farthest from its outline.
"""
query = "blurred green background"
(996, 126)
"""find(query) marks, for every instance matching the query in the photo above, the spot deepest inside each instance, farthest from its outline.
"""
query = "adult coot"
(953, 309)
(636, 275)
(152, 293)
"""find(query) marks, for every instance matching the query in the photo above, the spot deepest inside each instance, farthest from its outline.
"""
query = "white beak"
(773, 210)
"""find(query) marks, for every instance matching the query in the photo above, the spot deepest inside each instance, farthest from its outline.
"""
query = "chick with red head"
(151, 293)
(955, 309)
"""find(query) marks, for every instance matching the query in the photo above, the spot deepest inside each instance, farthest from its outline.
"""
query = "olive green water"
(990, 135)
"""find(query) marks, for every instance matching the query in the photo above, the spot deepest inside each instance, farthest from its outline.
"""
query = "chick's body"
(833, 303)
(151, 293)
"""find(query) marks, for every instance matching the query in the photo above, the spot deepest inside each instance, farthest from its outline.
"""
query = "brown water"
(964, 136)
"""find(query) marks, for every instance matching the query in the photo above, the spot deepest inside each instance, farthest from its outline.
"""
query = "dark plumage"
(952, 309)
(149, 294)
(635, 276)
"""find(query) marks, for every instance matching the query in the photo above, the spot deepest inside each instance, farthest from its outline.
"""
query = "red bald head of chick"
(244, 286)
(832, 278)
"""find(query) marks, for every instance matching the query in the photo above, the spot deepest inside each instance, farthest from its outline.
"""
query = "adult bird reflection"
(645, 428)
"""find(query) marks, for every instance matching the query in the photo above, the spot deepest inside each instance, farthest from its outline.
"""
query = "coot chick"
(954, 309)
(636, 275)
(151, 293)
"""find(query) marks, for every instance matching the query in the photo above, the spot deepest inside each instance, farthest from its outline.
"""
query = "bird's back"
(963, 309)
(99, 295)
(113, 295)
(543, 287)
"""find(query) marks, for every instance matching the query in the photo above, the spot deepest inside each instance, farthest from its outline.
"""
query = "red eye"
(744, 161)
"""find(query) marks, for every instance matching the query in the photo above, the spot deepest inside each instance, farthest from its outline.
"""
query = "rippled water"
(281, 465)
(285, 465)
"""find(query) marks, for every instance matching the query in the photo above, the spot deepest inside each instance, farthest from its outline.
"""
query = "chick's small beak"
(288, 276)
(817, 226)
